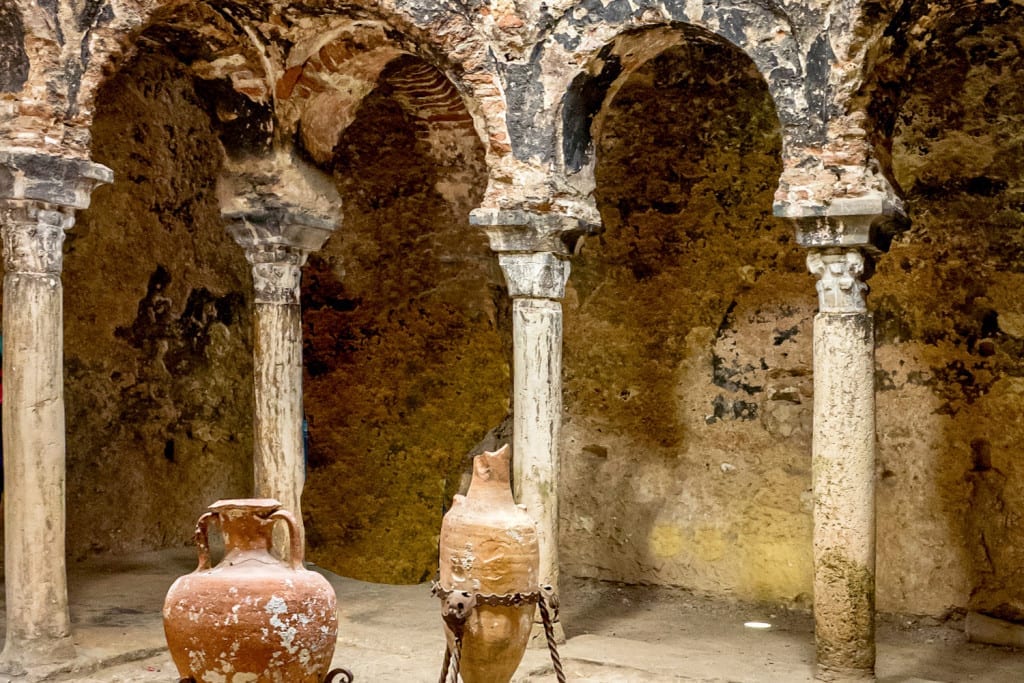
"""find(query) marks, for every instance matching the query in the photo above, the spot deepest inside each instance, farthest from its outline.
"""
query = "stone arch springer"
(603, 49)
(440, 37)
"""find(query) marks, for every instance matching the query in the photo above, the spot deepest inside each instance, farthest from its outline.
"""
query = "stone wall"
(406, 367)
(951, 330)
(158, 359)
(686, 443)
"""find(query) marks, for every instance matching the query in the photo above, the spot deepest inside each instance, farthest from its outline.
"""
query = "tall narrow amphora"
(490, 557)
(253, 618)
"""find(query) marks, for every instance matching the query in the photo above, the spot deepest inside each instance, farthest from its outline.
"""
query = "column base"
(539, 639)
(839, 674)
(19, 658)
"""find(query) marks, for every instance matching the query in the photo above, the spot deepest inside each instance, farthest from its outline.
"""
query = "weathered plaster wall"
(686, 443)
(950, 333)
(158, 360)
(405, 366)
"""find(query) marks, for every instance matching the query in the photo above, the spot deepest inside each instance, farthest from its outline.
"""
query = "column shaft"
(843, 471)
(537, 387)
(277, 363)
(38, 625)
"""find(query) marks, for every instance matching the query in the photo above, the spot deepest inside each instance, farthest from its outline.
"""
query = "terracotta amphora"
(253, 618)
(489, 548)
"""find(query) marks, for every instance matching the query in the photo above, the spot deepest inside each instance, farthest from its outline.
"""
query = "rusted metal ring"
(348, 676)
(492, 600)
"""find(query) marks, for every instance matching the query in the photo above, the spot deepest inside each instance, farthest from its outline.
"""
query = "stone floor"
(617, 634)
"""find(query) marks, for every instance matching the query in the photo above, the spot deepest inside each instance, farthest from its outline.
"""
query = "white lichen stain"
(275, 608)
(196, 660)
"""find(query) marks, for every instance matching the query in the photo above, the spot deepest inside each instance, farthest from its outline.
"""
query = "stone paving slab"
(618, 634)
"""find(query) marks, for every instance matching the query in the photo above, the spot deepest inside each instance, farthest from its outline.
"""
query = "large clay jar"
(252, 618)
(489, 547)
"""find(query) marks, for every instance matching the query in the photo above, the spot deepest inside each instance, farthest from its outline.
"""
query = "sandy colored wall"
(158, 360)
(406, 368)
(686, 444)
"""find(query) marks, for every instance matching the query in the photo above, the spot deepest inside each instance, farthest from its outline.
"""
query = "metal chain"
(489, 599)
(549, 615)
(456, 612)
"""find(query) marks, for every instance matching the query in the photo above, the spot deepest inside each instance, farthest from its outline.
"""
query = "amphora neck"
(491, 480)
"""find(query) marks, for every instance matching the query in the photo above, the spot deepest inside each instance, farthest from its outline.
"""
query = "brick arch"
(327, 76)
(436, 33)
(595, 85)
(320, 97)
(227, 60)
(761, 30)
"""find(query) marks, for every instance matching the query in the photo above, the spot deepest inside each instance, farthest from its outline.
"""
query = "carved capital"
(839, 287)
(54, 180)
(277, 240)
(33, 236)
(537, 275)
(276, 274)
(521, 230)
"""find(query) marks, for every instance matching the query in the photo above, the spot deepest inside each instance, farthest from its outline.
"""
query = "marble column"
(839, 236)
(277, 242)
(843, 468)
(536, 283)
(38, 197)
(533, 252)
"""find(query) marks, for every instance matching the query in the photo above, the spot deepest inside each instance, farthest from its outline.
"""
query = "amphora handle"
(296, 549)
(203, 539)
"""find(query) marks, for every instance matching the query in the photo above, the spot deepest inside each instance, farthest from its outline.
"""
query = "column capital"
(279, 226)
(526, 230)
(868, 221)
(33, 236)
(535, 275)
(838, 270)
(277, 239)
(58, 181)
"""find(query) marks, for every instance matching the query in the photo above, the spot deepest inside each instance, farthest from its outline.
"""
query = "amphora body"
(489, 548)
(252, 618)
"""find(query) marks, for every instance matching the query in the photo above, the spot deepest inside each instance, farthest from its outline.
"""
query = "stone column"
(277, 242)
(843, 469)
(38, 198)
(533, 254)
(536, 283)
(839, 235)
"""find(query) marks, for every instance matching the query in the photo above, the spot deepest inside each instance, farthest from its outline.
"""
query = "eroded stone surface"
(687, 320)
(158, 327)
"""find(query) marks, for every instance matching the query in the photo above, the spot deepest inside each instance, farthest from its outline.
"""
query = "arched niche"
(687, 338)
(405, 327)
(950, 347)
(158, 357)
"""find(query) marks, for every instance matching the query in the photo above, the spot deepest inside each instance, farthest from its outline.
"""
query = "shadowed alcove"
(687, 342)
(158, 359)
(405, 331)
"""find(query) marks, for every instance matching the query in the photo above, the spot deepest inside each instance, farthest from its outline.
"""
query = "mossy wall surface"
(950, 330)
(686, 444)
(406, 367)
(158, 359)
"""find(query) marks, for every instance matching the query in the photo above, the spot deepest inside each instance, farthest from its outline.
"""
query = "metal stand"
(459, 605)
